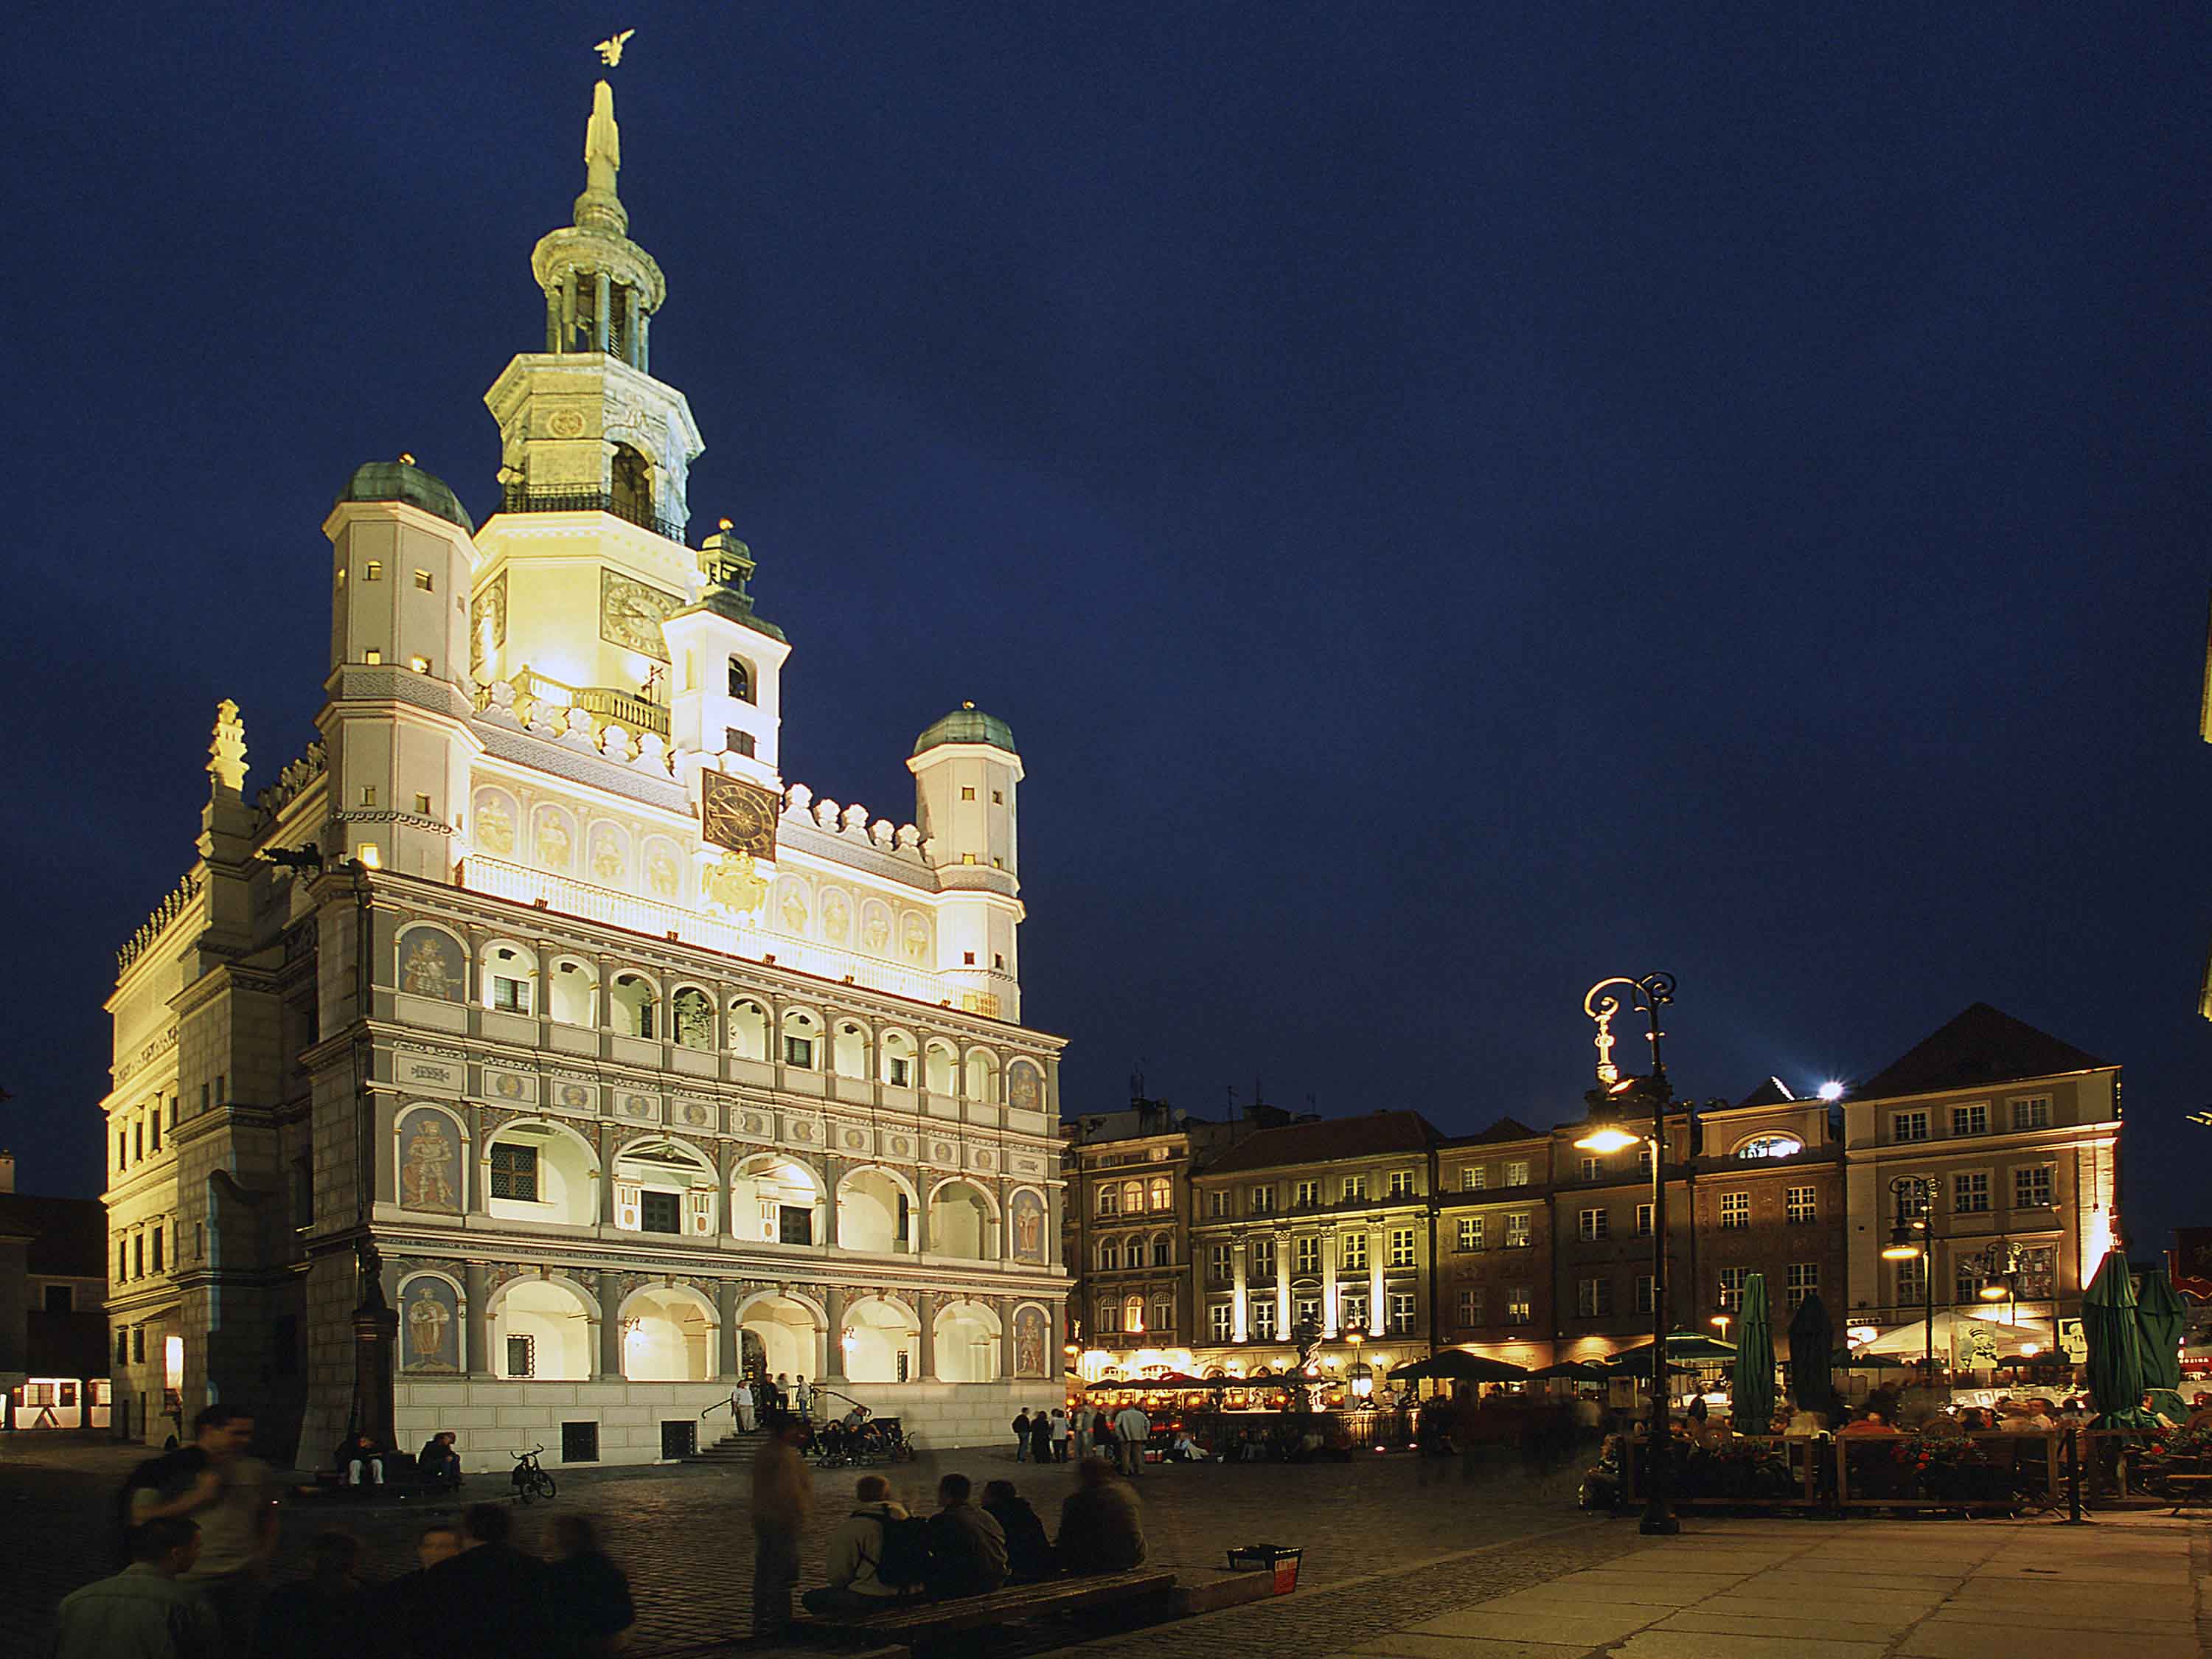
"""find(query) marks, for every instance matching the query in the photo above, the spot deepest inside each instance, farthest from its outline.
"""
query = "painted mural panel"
(430, 1327)
(430, 966)
(1027, 1211)
(1025, 1087)
(1030, 1333)
(429, 1163)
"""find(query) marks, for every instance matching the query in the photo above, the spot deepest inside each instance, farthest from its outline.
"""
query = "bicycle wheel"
(526, 1490)
(545, 1483)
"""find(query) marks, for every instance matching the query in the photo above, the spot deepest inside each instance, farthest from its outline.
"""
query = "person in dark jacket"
(1029, 1552)
(967, 1550)
(490, 1598)
(1041, 1438)
(591, 1600)
(324, 1617)
(438, 1466)
(1021, 1435)
(1099, 1527)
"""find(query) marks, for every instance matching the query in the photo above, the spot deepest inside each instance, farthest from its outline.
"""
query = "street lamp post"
(1912, 1219)
(1648, 994)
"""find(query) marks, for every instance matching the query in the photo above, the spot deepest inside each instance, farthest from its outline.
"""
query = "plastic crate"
(1278, 1558)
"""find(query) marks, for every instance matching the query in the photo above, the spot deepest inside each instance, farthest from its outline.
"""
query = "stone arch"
(664, 1184)
(560, 1320)
(979, 1075)
(966, 1338)
(791, 1330)
(669, 1334)
(940, 1067)
(633, 1002)
(748, 1028)
(563, 1174)
(964, 1220)
(691, 1017)
(572, 989)
(507, 976)
(882, 1340)
(849, 1047)
(777, 1198)
(802, 1032)
(869, 1210)
(898, 1058)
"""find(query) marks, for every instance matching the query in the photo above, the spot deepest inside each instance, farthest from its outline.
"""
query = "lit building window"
(1736, 1210)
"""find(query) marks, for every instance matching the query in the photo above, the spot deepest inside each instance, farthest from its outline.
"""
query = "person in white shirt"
(802, 1400)
(741, 1405)
(1131, 1429)
(1059, 1433)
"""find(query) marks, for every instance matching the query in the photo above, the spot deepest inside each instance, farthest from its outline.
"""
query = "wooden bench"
(2186, 1489)
(922, 1622)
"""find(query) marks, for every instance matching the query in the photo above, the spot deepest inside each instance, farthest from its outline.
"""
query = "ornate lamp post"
(1912, 1236)
(1619, 1097)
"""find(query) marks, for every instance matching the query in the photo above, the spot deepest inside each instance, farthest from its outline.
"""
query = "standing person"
(1021, 1435)
(852, 1573)
(1040, 1438)
(783, 1493)
(322, 1617)
(589, 1597)
(143, 1611)
(1079, 1430)
(802, 1400)
(741, 1405)
(1131, 1429)
(778, 1403)
(1060, 1431)
(229, 1498)
(1100, 1530)
(967, 1550)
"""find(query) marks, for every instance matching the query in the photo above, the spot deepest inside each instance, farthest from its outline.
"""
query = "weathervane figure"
(611, 49)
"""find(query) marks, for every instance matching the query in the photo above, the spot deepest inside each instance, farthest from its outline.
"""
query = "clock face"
(737, 815)
(630, 614)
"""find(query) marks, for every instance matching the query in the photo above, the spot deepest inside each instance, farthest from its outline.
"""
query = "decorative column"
(726, 1308)
(1056, 1358)
(1378, 1317)
(1240, 1318)
(606, 1139)
(553, 318)
(1329, 1322)
(1006, 1310)
(1283, 1285)
(644, 327)
(833, 1304)
(610, 1342)
(925, 1313)
(601, 297)
(630, 324)
(475, 1280)
(833, 1171)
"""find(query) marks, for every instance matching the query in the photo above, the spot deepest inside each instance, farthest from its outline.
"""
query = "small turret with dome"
(965, 769)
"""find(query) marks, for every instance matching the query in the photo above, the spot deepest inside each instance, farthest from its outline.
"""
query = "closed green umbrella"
(2161, 1321)
(1750, 1388)
(1812, 1340)
(2115, 1368)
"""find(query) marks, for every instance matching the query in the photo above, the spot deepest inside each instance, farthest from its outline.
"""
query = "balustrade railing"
(518, 498)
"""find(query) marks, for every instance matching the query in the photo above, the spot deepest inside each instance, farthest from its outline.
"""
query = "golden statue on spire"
(611, 49)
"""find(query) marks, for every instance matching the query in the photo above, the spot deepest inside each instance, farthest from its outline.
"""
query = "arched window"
(1162, 1193)
(631, 1004)
(631, 477)
(1109, 1200)
(741, 679)
(695, 1018)
(1163, 1250)
(1133, 1314)
(1133, 1196)
(1109, 1256)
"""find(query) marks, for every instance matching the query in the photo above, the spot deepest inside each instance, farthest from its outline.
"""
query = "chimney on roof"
(7, 1171)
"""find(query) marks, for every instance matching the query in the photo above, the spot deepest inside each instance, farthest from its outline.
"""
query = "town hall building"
(529, 1058)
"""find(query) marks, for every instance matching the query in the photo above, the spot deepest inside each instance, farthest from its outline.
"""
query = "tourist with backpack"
(877, 1553)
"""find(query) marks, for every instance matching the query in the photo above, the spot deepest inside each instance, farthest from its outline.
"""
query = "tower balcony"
(534, 690)
(520, 498)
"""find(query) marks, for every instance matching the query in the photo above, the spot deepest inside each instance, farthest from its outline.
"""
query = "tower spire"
(601, 289)
(599, 206)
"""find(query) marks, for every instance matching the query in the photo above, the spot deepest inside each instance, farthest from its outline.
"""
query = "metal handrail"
(519, 498)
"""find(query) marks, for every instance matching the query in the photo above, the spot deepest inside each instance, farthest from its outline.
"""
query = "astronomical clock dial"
(630, 614)
(737, 815)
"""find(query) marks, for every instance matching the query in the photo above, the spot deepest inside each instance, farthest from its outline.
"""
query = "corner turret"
(965, 769)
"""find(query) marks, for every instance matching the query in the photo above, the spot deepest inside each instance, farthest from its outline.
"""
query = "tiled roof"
(69, 1236)
(1329, 1139)
(1772, 1092)
(1506, 1128)
(1982, 1045)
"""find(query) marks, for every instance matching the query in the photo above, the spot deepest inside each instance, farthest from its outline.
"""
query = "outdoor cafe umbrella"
(1680, 1345)
(1811, 1339)
(2162, 1321)
(2116, 1367)
(1751, 1383)
(1574, 1370)
(1457, 1365)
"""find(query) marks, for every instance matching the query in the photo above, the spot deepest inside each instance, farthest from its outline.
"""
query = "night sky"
(1453, 502)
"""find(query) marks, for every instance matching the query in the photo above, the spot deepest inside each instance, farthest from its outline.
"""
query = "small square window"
(1970, 1120)
(580, 1442)
(423, 804)
(372, 572)
(799, 1051)
(1736, 1210)
(967, 858)
(737, 743)
(997, 960)
(968, 958)
(967, 793)
(369, 794)
(423, 580)
(2034, 1113)
(998, 797)
(372, 656)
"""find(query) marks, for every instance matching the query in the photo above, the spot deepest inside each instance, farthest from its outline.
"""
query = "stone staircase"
(730, 1451)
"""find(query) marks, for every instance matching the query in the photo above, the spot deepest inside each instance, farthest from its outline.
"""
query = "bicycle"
(531, 1480)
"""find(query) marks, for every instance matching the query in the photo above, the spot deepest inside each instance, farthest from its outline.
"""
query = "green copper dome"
(403, 481)
(968, 724)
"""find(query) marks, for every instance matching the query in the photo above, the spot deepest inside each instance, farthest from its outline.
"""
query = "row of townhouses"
(1201, 1246)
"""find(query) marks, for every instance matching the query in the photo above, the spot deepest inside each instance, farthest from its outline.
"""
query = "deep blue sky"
(1453, 502)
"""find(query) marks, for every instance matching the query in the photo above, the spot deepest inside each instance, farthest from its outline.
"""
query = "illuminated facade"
(533, 1019)
(2018, 1133)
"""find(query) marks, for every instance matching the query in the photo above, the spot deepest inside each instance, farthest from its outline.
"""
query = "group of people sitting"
(880, 1552)
(362, 1462)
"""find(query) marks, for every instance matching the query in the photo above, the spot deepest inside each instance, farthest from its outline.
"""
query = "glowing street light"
(1831, 1091)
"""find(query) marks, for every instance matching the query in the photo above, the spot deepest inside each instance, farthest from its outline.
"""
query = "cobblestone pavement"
(683, 1536)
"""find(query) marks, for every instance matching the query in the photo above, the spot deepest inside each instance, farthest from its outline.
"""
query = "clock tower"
(586, 558)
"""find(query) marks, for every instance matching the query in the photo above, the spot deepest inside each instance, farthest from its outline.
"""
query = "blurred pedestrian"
(145, 1611)
(229, 1498)
(1132, 1430)
(589, 1595)
(741, 1405)
(1059, 1433)
(1078, 1432)
(324, 1616)
(1100, 1530)
(489, 1597)
(783, 1495)
(1040, 1438)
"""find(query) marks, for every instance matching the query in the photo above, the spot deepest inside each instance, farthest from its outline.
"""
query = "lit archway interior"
(776, 1201)
(541, 1329)
(966, 1344)
(960, 1223)
(789, 1335)
(668, 1336)
(882, 1340)
(874, 1213)
(533, 1172)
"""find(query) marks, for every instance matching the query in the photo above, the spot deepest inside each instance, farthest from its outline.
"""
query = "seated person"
(360, 1459)
(1099, 1528)
(1029, 1552)
(967, 1550)
(856, 1552)
(1186, 1449)
(438, 1464)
